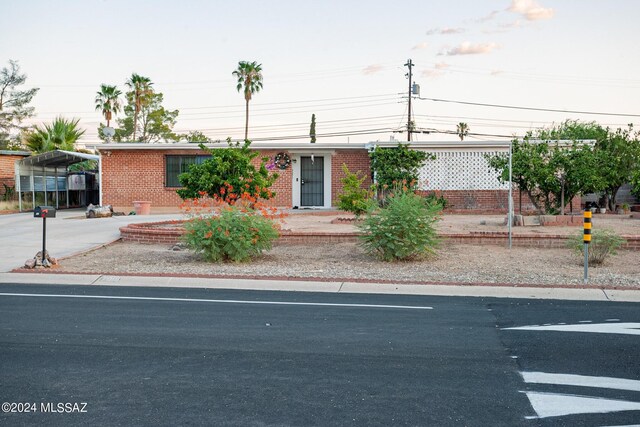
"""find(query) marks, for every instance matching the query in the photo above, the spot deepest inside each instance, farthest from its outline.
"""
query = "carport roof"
(57, 158)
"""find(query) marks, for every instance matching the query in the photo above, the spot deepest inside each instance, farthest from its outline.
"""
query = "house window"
(175, 165)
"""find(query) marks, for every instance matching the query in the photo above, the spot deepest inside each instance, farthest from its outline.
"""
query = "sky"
(342, 60)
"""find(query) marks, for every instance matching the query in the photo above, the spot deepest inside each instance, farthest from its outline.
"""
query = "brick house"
(148, 172)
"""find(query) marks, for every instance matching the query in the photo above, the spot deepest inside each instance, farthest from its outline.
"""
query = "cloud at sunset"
(420, 46)
(445, 31)
(531, 10)
(468, 48)
(372, 69)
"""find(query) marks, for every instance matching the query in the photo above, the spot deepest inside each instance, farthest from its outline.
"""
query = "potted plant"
(603, 210)
(625, 208)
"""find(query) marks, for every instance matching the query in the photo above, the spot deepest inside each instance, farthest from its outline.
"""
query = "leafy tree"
(312, 130)
(635, 182)
(14, 105)
(618, 161)
(195, 136)
(395, 165)
(228, 174)
(552, 174)
(108, 102)
(62, 134)
(154, 122)
(463, 130)
(140, 95)
(249, 75)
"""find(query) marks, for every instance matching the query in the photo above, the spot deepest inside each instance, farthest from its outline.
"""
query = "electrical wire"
(480, 104)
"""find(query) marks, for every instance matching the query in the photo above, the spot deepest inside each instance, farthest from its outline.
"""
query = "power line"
(528, 108)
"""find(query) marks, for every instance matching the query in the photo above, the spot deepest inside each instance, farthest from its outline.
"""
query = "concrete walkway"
(69, 233)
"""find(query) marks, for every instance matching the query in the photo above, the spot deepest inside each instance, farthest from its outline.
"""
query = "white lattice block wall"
(459, 170)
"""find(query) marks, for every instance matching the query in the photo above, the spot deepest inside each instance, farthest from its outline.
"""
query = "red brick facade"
(130, 175)
(139, 174)
(356, 161)
(7, 170)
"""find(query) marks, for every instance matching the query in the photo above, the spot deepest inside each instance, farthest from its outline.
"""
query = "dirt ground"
(454, 262)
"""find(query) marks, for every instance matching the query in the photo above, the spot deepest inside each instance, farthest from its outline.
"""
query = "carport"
(45, 180)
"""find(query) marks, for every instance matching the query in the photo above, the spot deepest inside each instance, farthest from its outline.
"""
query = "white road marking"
(584, 321)
(221, 301)
(557, 405)
(600, 328)
(581, 381)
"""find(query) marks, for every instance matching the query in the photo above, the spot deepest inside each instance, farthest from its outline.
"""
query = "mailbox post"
(44, 212)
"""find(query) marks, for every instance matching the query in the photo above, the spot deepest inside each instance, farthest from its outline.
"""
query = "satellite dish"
(108, 132)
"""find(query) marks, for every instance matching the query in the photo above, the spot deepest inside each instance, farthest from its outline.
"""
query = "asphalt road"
(148, 356)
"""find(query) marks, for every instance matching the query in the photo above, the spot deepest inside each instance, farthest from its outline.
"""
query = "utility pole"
(410, 75)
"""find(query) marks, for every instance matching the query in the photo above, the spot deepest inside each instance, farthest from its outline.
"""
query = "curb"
(327, 279)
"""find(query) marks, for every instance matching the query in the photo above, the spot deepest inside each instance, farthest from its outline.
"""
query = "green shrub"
(9, 193)
(604, 242)
(229, 173)
(235, 234)
(434, 198)
(403, 229)
(354, 198)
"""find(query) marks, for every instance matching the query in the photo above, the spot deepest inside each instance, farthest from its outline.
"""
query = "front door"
(312, 181)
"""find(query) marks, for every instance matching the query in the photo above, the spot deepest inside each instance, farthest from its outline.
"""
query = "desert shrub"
(604, 242)
(401, 230)
(233, 234)
(354, 198)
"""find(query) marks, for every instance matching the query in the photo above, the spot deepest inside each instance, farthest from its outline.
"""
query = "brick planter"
(169, 233)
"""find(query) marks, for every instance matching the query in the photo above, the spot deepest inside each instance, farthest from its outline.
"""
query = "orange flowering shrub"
(230, 226)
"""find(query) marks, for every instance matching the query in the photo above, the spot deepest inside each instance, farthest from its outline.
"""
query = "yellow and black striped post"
(586, 239)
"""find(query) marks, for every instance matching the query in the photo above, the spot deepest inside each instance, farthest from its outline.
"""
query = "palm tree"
(141, 88)
(62, 134)
(107, 101)
(463, 130)
(249, 75)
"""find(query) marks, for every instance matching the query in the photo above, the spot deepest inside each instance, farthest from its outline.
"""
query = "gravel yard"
(454, 263)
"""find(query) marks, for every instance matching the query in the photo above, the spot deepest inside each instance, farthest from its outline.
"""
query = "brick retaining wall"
(150, 233)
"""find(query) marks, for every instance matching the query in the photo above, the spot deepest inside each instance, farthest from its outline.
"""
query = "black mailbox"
(44, 212)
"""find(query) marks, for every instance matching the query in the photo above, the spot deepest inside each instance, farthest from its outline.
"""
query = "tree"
(62, 134)
(140, 94)
(152, 121)
(618, 161)
(463, 130)
(228, 174)
(312, 130)
(195, 136)
(249, 75)
(107, 101)
(552, 173)
(398, 165)
(14, 105)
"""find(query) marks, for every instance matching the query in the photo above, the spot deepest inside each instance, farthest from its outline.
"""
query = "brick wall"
(492, 201)
(129, 175)
(7, 170)
(356, 160)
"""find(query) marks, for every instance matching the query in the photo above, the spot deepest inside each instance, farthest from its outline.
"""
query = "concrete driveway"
(70, 232)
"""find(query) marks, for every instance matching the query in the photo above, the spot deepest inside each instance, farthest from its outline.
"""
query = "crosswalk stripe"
(556, 405)
(600, 328)
(581, 381)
